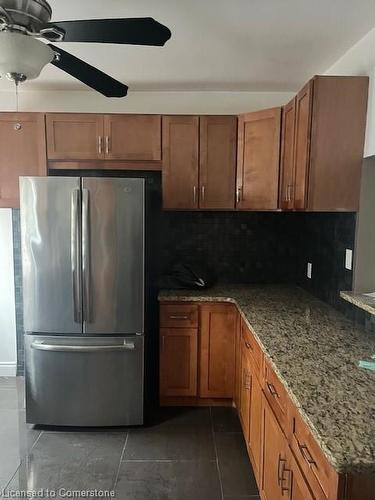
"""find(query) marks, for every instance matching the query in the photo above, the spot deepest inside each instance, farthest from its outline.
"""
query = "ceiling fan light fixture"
(22, 57)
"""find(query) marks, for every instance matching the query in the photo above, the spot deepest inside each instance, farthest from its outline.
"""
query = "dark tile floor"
(183, 454)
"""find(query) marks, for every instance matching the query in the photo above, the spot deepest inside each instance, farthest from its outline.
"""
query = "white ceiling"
(238, 45)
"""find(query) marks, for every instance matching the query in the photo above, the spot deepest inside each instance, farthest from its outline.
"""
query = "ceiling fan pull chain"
(16, 84)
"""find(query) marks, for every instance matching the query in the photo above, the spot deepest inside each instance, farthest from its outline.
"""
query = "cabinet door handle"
(100, 144)
(203, 192)
(238, 195)
(195, 194)
(289, 192)
(248, 346)
(306, 454)
(172, 316)
(162, 343)
(106, 144)
(272, 390)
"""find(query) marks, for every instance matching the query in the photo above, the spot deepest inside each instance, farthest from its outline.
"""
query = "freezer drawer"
(87, 381)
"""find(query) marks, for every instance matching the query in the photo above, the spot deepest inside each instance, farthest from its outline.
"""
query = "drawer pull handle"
(280, 469)
(285, 489)
(306, 454)
(247, 380)
(172, 316)
(272, 390)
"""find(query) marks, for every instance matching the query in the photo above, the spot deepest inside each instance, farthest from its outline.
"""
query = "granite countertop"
(315, 351)
(360, 300)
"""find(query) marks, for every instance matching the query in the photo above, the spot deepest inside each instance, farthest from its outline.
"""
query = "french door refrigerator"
(83, 288)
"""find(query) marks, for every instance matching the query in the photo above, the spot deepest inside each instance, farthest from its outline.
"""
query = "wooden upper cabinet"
(217, 350)
(337, 142)
(23, 152)
(178, 361)
(302, 145)
(180, 174)
(217, 160)
(287, 155)
(330, 120)
(103, 137)
(75, 136)
(132, 137)
(258, 160)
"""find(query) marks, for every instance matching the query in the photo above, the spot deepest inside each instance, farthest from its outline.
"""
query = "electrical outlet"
(348, 259)
(309, 270)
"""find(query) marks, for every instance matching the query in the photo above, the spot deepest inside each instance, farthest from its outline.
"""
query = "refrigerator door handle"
(75, 253)
(86, 255)
(41, 346)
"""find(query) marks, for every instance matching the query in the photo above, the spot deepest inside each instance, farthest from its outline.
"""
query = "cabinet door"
(255, 431)
(287, 156)
(245, 396)
(217, 159)
(180, 162)
(237, 383)
(302, 145)
(178, 361)
(74, 136)
(258, 160)
(217, 351)
(298, 487)
(132, 137)
(23, 152)
(274, 471)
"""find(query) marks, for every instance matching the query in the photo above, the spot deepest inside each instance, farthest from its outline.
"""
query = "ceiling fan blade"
(88, 75)
(135, 31)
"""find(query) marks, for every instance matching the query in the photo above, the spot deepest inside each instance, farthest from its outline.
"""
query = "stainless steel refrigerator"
(83, 289)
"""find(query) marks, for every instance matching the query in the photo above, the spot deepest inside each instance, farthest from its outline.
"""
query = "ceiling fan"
(23, 55)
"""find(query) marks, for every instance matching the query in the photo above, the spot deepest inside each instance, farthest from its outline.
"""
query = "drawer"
(179, 315)
(256, 353)
(276, 395)
(319, 473)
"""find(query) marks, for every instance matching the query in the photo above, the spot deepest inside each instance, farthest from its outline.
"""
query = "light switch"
(348, 259)
(309, 270)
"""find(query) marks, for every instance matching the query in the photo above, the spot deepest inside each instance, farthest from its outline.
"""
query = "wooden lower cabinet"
(197, 351)
(255, 426)
(237, 378)
(178, 361)
(298, 487)
(275, 482)
(208, 355)
(217, 350)
(245, 392)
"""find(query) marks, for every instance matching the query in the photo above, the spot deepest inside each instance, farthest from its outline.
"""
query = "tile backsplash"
(239, 247)
(323, 239)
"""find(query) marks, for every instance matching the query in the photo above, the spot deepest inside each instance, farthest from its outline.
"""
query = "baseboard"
(8, 369)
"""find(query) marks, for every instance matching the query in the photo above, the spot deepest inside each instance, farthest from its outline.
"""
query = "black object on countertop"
(187, 276)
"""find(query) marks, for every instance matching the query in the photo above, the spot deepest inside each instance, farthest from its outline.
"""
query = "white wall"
(360, 60)
(144, 102)
(8, 350)
(364, 268)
